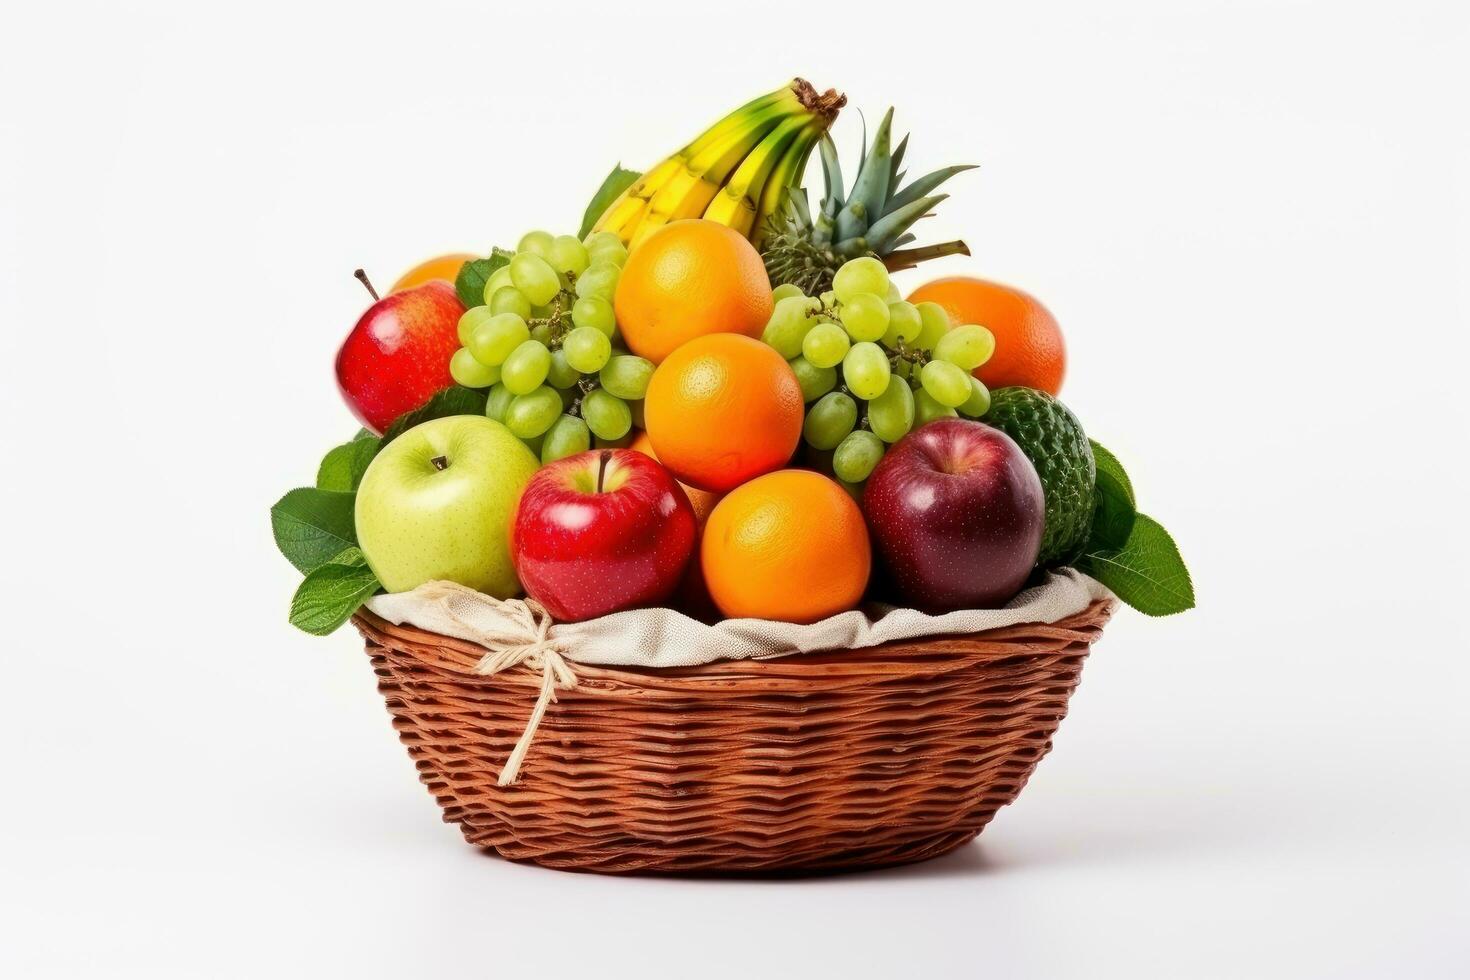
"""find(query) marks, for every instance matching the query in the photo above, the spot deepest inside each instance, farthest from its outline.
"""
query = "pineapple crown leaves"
(875, 216)
(879, 210)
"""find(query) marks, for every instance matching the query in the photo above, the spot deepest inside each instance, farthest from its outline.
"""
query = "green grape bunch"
(546, 344)
(872, 367)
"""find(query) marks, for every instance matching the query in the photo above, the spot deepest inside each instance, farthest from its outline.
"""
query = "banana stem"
(908, 258)
(826, 104)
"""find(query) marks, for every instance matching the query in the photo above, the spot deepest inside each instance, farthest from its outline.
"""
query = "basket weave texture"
(838, 760)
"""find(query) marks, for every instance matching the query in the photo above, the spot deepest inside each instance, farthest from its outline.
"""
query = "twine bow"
(524, 638)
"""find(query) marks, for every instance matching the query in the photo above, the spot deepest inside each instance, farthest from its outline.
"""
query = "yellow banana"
(743, 149)
(737, 201)
(623, 215)
(687, 193)
(788, 174)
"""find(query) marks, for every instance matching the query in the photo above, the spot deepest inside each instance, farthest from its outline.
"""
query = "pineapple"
(806, 249)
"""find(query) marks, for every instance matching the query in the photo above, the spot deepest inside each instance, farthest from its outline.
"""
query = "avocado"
(1052, 438)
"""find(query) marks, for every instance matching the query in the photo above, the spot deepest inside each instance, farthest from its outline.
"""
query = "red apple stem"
(602, 467)
(441, 463)
(362, 277)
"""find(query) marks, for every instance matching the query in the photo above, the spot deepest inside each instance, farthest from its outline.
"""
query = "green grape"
(825, 345)
(525, 369)
(830, 420)
(587, 349)
(864, 275)
(828, 299)
(814, 381)
(542, 334)
(536, 243)
(498, 280)
(904, 323)
(891, 414)
(934, 324)
(567, 436)
(949, 384)
(494, 339)
(635, 408)
(568, 255)
(626, 376)
(785, 291)
(893, 295)
(926, 409)
(498, 402)
(600, 280)
(469, 320)
(856, 456)
(533, 413)
(866, 370)
(595, 312)
(607, 415)
(865, 317)
(602, 240)
(535, 277)
(967, 347)
(611, 251)
(465, 370)
(561, 375)
(789, 323)
(979, 401)
(508, 299)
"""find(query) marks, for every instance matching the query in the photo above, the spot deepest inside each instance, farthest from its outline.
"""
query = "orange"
(790, 545)
(702, 500)
(1028, 343)
(692, 595)
(723, 409)
(688, 279)
(445, 267)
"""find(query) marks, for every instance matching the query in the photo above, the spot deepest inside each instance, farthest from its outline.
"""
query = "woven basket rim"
(934, 654)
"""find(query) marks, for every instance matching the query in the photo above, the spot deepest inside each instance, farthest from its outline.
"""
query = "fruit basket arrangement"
(687, 543)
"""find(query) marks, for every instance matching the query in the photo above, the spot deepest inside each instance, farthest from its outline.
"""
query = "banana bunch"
(736, 172)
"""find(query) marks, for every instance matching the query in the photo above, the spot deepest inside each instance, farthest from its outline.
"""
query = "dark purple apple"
(956, 510)
(602, 531)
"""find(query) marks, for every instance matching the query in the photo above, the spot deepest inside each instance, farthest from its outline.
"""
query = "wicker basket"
(841, 760)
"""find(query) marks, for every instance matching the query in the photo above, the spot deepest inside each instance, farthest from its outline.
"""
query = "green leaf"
(333, 591)
(1108, 463)
(1113, 519)
(470, 283)
(613, 186)
(1147, 572)
(342, 467)
(454, 400)
(312, 525)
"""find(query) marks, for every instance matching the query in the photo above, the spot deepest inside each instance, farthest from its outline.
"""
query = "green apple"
(438, 502)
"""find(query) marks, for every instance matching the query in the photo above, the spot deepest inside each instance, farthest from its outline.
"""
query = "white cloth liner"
(665, 638)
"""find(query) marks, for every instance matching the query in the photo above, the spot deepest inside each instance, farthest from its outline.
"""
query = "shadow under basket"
(812, 762)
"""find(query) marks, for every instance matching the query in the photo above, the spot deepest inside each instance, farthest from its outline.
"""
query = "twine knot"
(523, 637)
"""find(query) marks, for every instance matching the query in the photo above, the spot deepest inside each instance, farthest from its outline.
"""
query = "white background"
(1250, 219)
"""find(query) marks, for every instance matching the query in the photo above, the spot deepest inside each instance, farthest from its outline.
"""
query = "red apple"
(601, 531)
(398, 354)
(956, 510)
